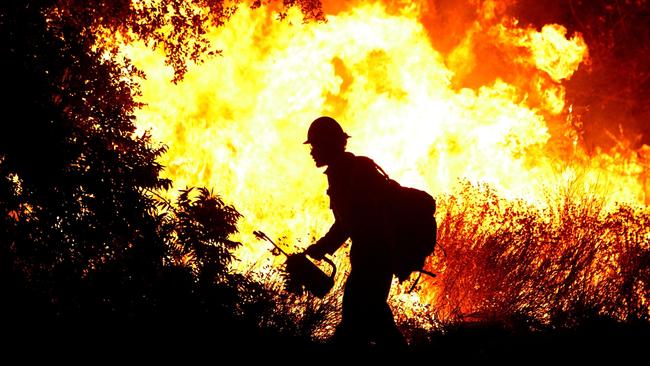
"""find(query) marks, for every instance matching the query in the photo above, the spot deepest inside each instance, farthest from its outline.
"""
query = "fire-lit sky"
(430, 113)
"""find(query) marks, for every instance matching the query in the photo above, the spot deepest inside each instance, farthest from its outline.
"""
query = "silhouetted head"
(327, 140)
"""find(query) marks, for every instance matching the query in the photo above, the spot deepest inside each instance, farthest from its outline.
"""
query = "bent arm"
(334, 239)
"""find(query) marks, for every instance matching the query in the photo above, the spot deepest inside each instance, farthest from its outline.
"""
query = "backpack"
(413, 228)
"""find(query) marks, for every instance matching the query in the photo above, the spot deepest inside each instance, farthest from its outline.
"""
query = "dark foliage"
(601, 341)
(74, 177)
(84, 236)
(178, 27)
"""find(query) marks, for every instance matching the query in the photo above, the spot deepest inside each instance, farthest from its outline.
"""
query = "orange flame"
(237, 122)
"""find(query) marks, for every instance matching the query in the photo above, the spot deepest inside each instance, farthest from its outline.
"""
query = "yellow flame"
(236, 123)
(555, 54)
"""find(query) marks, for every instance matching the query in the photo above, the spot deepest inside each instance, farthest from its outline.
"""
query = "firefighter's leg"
(366, 314)
(353, 330)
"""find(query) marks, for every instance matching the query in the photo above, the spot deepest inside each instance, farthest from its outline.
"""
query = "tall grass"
(298, 315)
(513, 263)
(502, 262)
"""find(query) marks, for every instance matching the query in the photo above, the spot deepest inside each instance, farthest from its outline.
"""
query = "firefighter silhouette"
(355, 192)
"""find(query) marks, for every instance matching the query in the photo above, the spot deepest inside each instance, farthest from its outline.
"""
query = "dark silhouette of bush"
(84, 236)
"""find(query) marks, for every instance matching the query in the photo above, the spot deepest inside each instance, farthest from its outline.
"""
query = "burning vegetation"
(526, 124)
(491, 108)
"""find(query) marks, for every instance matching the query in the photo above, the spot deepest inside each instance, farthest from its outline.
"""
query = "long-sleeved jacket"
(356, 191)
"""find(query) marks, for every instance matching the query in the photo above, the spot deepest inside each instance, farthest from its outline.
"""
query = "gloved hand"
(315, 251)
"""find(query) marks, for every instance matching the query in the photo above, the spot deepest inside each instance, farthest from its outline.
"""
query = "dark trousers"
(367, 318)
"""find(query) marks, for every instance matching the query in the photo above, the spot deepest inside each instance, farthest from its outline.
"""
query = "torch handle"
(261, 235)
(329, 261)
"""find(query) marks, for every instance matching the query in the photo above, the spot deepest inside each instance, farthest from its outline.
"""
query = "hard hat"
(325, 130)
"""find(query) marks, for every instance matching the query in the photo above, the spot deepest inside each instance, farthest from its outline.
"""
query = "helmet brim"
(345, 135)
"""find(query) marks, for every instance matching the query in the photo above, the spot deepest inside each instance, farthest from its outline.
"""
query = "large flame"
(237, 122)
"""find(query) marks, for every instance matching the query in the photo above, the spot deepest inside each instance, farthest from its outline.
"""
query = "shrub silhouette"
(84, 235)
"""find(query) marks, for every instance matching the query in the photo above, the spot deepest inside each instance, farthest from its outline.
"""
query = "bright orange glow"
(236, 123)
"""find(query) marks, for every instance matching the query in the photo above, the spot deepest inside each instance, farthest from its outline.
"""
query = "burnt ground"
(595, 343)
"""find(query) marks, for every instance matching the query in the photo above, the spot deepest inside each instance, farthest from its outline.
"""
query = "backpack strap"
(380, 169)
(375, 165)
